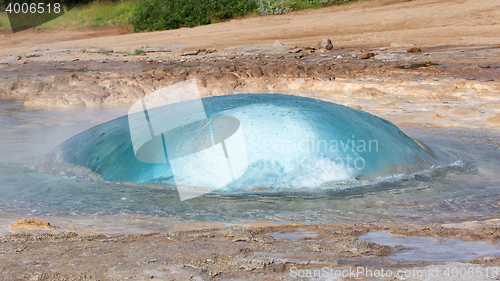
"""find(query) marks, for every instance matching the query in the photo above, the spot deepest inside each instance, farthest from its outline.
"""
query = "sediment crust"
(439, 86)
(245, 252)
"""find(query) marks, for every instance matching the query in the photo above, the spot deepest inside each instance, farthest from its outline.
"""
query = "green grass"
(4, 21)
(95, 14)
(150, 15)
(137, 52)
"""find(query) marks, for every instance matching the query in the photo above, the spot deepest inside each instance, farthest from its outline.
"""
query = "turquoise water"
(464, 189)
(432, 249)
(290, 142)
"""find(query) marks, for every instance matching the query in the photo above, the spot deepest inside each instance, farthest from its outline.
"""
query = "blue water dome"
(290, 143)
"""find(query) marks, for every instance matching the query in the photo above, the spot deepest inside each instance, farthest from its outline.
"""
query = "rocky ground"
(445, 73)
(430, 86)
(274, 252)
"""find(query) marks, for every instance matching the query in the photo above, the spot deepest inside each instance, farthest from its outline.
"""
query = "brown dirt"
(31, 223)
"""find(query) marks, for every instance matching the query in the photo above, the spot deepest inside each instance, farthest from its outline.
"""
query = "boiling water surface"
(466, 189)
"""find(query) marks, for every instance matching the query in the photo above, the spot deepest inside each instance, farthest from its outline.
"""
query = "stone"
(325, 44)
(33, 54)
(50, 52)
(367, 56)
(413, 50)
(164, 49)
(278, 43)
(192, 53)
(388, 57)
(30, 223)
(10, 59)
(98, 50)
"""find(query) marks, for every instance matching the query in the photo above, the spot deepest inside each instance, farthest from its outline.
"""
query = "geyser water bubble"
(290, 142)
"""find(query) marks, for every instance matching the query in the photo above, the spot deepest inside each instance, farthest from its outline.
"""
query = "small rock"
(193, 53)
(33, 54)
(30, 223)
(325, 44)
(278, 43)
(209, 51)
(10, 59)
(367, 56)
(166, 49)
(413, 50)
(99, 50)
(75, 59)
(296, 50)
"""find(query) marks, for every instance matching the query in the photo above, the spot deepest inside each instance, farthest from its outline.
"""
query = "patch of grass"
(96, 14)
(273, 7)
(104, 52)
(138, 52)
(4, 21)
(151, 15)
(308, 4)
(83, 50)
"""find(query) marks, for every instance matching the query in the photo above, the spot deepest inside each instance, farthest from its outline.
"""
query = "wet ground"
(448, 95)
(265, 253)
